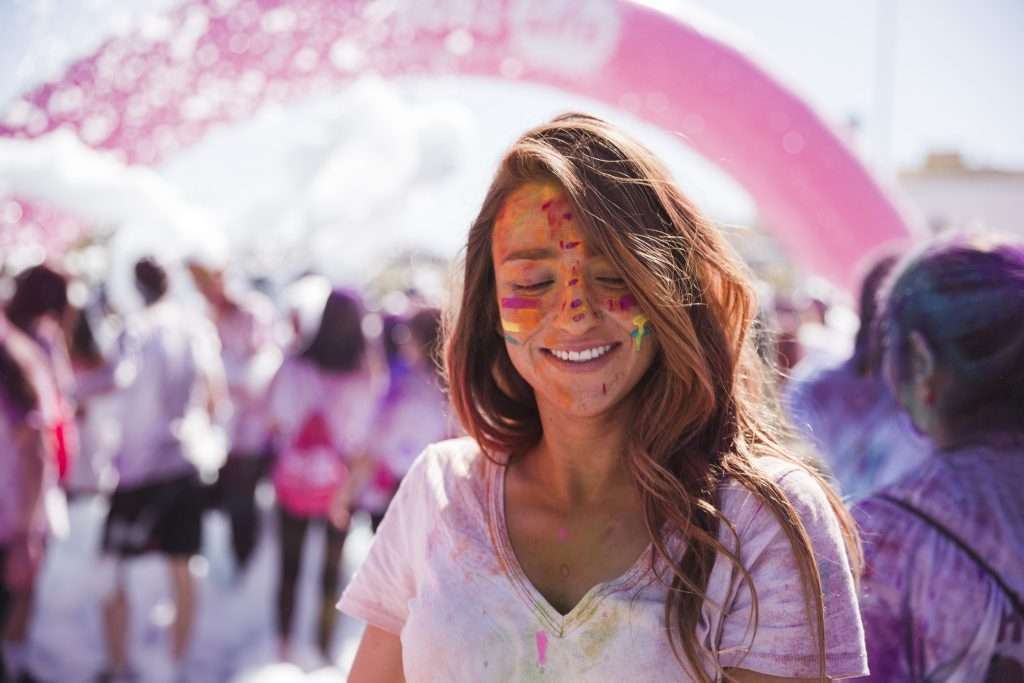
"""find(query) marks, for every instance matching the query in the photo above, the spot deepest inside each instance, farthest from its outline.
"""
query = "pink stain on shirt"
(519, 302)
(542, 647)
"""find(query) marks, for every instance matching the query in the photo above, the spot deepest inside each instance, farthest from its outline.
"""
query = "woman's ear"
(922, 368)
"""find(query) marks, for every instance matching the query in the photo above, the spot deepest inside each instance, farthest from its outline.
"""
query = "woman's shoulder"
(451, 469)
(802, 488)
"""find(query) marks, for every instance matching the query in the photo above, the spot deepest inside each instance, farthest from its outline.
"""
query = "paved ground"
(234, 636)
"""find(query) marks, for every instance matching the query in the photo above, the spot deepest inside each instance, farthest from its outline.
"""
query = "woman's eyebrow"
(539, 254)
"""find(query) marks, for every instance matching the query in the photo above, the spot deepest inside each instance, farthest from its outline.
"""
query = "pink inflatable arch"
(155, 91)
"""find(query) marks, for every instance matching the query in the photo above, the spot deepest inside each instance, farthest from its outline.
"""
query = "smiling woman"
(623, 508)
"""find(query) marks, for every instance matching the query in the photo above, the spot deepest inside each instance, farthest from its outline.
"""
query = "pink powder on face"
(519, 302)
(568, 245)
(573, 282)
(576, 303)
(627, 302)
(542, 647)
(562, 533)
(578, 317)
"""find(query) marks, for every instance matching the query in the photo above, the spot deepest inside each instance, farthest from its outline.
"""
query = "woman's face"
(572, 329)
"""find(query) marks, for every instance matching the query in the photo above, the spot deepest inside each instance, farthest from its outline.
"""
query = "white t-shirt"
(250, 361)
(442, 575)
(170, 355)
(930, 612)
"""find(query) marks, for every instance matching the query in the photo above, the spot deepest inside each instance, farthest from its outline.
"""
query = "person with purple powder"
(944, 545)
(849, 414)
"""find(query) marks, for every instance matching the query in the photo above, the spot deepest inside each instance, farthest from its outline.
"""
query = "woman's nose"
(576, 313)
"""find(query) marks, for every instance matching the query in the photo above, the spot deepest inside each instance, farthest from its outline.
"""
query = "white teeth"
(582, 356)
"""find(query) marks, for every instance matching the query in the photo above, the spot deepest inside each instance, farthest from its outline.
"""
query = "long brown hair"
(702, 413)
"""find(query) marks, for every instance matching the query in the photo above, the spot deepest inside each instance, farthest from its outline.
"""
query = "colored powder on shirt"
(542, 647)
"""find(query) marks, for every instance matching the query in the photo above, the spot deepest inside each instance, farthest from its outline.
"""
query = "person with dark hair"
(26, 472)
(943, 587)
(849, 414)
(412, 414)
(319, 409)
(244, 323)
(158, 502)
(624, 508)
(39, 307)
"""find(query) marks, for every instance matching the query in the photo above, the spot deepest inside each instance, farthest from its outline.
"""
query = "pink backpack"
(310, 470)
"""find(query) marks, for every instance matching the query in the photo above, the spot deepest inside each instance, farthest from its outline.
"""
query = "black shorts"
(165, 517)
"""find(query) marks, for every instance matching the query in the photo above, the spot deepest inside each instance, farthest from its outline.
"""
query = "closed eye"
(614, 282)
(531, 287)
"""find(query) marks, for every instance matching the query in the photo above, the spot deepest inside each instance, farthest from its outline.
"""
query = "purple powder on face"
(578, 317)
(576, 303)
(519, 302)
(627, 302)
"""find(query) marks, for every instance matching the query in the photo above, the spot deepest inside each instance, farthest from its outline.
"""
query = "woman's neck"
(580, 459)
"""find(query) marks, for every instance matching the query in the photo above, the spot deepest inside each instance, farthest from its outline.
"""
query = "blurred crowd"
(218, 383)
(182, 407)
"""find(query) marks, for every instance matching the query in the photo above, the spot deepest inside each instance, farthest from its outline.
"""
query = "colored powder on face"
(639, 330)
(519, 302)
(576, 303)
(542, 647)
(626, 302)
(510, 326)
(562, 533)
(573, 282)
(511, 340)
(568, 245)
(578, 317)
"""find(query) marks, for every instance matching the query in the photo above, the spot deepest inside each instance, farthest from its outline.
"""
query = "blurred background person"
(158, 503)
(944, 545)
(40, 308)
(412, 414)
(95, 419)
(26, 472)
(244, 323)
(319, 410)
(849, 414)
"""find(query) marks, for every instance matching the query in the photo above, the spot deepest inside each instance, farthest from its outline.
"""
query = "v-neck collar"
(555, 623)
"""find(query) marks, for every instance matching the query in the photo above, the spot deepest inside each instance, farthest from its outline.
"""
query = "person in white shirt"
(244, 322)
(320, 409)
(623, 509)
(158, 503)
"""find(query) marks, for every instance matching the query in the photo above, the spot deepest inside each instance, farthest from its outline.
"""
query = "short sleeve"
(382, 588)
(785, 640)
